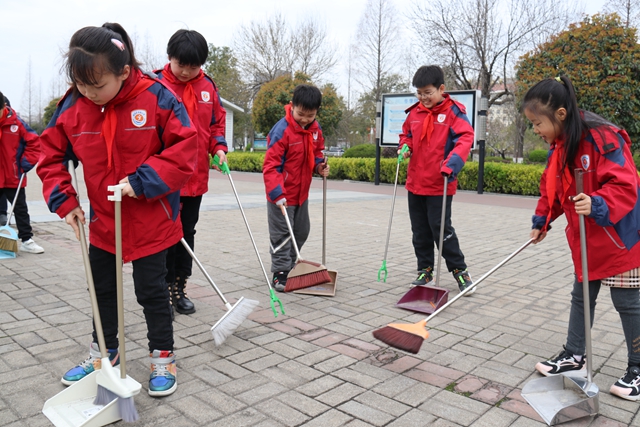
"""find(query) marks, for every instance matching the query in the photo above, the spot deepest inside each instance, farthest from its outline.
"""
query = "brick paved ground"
(318, 365)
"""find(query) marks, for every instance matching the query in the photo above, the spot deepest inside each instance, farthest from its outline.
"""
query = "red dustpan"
(424, 299)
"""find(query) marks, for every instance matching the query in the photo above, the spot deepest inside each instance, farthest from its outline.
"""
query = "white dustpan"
(73, 407)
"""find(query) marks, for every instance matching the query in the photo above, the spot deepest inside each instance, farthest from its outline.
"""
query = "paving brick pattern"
(318, 364)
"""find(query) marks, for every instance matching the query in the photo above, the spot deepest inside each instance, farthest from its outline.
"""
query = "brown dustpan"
(327, 289)
(424, 299)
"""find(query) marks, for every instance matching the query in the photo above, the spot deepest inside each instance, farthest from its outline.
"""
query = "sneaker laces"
(160, 370)
(632, 373)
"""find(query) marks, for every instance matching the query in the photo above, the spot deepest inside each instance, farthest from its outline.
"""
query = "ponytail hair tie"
(559, 80)
(118, 44)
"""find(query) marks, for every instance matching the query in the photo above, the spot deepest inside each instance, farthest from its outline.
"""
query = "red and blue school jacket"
(293, 154)
(209, 118)
(19, 149)
(445, 151)
(611, 180)
(153, 144)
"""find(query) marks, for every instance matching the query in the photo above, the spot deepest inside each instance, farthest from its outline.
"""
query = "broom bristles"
(404, 336)
(232, 319)
(8, 244)
(127, 408)
(104, 396)
(307, 280)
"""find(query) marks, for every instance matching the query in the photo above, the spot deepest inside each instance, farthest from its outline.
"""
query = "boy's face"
(184, 73)
(302, 116)
(429, 95)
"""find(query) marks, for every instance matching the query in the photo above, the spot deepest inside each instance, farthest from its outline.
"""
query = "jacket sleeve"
(615, 168)
(30, 144)
(168, 170)
(55, 151)
(539, 219)
(218, 124)
(273, 166)
(406, 137)
(461, 135)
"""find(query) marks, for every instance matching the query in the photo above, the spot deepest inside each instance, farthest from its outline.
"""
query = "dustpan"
(561, 398)
(327, 289)
(73, 407)
(424, 299)
(6, 231)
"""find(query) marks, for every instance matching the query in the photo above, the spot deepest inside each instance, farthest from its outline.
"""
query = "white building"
(230, 108)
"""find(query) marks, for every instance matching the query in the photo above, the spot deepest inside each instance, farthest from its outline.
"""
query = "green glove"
(404, 149)
(224, 167)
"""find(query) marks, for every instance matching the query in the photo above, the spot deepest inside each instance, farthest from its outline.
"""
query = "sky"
(37, 32)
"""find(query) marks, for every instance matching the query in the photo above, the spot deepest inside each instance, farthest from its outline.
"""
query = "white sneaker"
(31, 247)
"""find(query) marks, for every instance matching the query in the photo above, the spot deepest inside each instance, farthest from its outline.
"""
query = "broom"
(110, 387)
(235, 315)
(224, 168)
(8, 237)
(305, 273)
(410, 336)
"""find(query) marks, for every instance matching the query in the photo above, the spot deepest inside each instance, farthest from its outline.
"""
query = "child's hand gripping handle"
(224, 167)
(401, 153)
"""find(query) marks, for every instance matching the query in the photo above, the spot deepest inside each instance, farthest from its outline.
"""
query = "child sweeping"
(126, 128)
(581, 139)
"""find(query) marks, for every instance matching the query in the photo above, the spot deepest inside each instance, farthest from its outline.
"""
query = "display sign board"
(394, 106)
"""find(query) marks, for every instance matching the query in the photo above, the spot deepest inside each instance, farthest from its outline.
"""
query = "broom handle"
(193, 256)
(585, 278)
(15, 199)
(293, 239)
(441, 237)
(474, 284)
(97, 320)
(246, 223)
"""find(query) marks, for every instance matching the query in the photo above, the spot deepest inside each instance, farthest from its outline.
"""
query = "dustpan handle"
(97, 320)
(477, 282)
(293, 239)
(324, 219)
(585, 277)
(441, 237)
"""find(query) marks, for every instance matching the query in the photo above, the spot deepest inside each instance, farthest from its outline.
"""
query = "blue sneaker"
(162, 381)
(92, 363)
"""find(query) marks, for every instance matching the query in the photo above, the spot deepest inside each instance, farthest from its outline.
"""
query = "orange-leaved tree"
(602, 58)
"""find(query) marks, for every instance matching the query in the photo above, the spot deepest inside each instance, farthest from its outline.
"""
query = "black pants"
(179, 262)
(425, 213)
(151, 292)
(3, 204)
(21, 212)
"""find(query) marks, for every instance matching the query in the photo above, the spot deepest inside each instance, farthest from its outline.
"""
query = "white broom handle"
(474, 284)
(15, 198)
(193, 255)
(293, 239)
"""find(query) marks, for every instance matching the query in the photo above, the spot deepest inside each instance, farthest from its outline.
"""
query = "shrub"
(362, 150)
(538, 156)
(497, 159)
(636, 160)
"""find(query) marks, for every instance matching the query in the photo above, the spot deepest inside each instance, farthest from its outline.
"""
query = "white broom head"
(233, 318)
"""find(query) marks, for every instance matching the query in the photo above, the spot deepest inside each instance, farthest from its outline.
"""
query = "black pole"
(481, 137)
(376, 175)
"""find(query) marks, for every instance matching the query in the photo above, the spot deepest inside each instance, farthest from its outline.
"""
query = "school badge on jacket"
(585, 161)
(206, 96)
(315, 136)
(139, 118)
(14, 128)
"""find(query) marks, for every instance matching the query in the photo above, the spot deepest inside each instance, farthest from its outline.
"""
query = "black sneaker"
(424, 276)
(279, 280)
(463, 280)
(564, 363)
(628, 387)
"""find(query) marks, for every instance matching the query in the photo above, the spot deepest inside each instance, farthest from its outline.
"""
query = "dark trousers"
(626, 302)
(425, 213)
(284, 259)
(20, 211)
(179, 262)
(3, 203)
(151, 292)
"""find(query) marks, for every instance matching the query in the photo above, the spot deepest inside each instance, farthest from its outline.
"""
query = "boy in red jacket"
(294, 153)
(188, 51)
(19, 152)
(439, 137)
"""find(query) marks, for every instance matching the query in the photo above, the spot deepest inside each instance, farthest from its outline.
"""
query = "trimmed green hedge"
(505, 178)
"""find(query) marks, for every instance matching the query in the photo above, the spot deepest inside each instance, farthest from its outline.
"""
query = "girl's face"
(544, 127)
(184, 73)
(106, 89)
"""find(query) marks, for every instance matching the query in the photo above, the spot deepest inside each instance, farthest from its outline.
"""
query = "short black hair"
(189, 47)
(428, 75)
(3, 100)
(308, 97)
